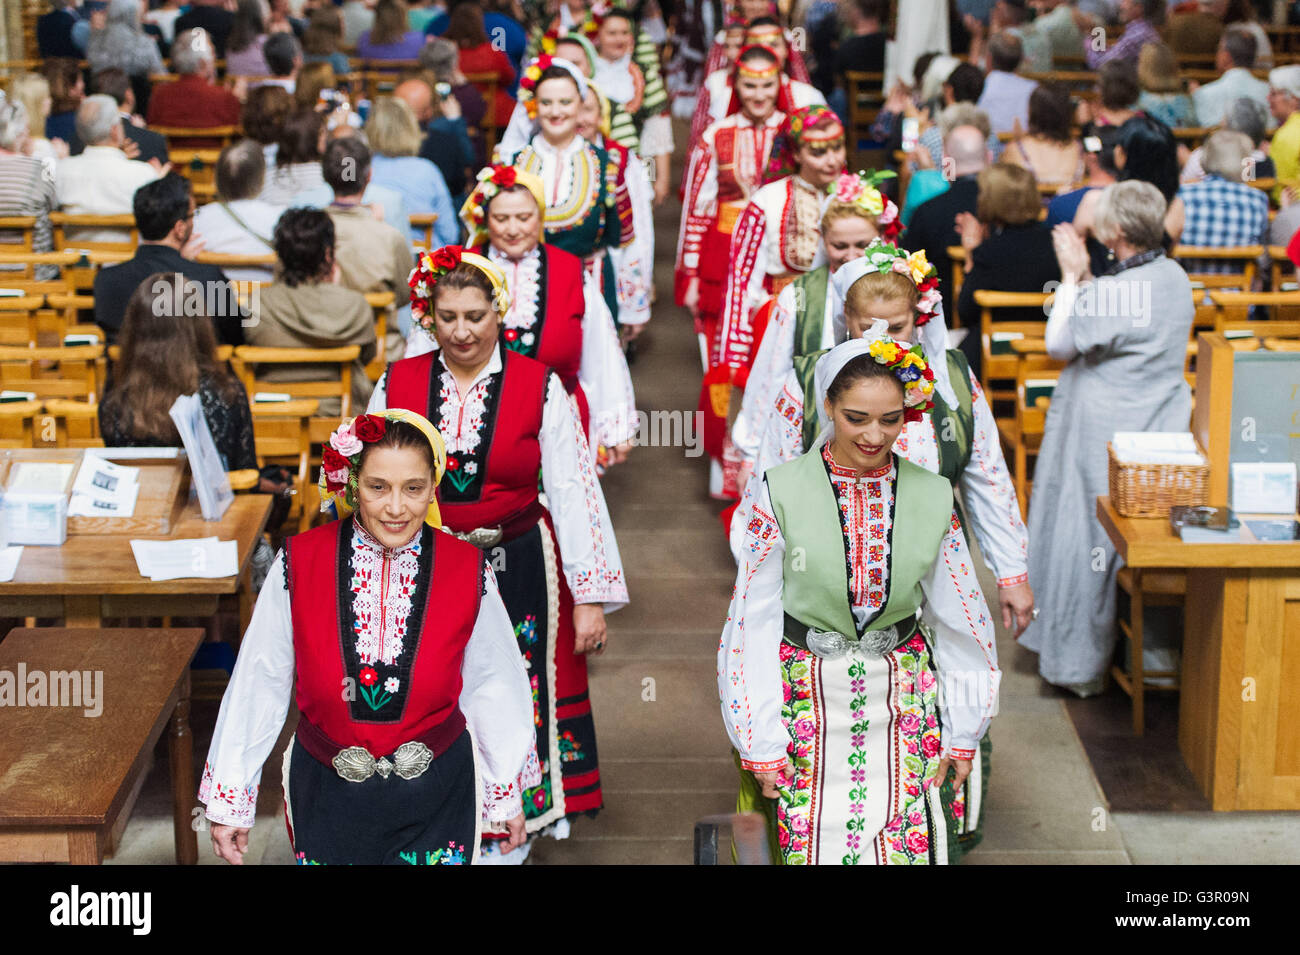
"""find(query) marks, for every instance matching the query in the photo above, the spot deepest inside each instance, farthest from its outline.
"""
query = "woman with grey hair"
(1125, 371)
(26, 183)
(1247, 116)
(122, 43)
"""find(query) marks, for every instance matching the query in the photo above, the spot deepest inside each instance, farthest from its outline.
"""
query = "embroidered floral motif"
(864, 506)
(451, 855)
(524, 279)
(383, 583)
(857, 759)
(908, 834)
(794, 805)
(501, 801)
(463, 423)
(229, 805)
(570, 748)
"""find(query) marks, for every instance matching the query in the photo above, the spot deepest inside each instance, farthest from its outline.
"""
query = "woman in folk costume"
(725, 169)
(588, 208)
(776, 239)
(717, 96)
(556, 313)
(957, 439)
(506, 417)
(807, 315)
(746, 11)
(855, 599)
(579, 51)
(415, 706)
(594, 126)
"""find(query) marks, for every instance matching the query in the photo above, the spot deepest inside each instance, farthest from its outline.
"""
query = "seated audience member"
(358, 17)
(1284, 103)
(933, 225)
(164, 214)
(283, 55)
(164, 17)
(477, 55)
(263, 116)
(452, 154)
(115, 83)
(1007, 250)
(1244, 116)
(1234, 60)
(1163, 93)
(390, 37)
(1141, 18)
(210, 16)
(315, 83)
(194, 101)
(1221, 210)
(244, 45)
(307, 308)
(1195, 31)
(372, 256)
(1049, 151)
(33, 91)
(395, 139)
(464, 116)
(384, 202)
(320, 44)
(503, 19)
(1145, 150)
(124, 45)
(928, 180)
(54, 31)
(864, 51)
(1006, 95)
(964, 84)
(25, 190)
(101, 181)
(1117, 95)
(297, 158)
(281, 18)
(1100, 172)
(166, 353)
(238, 222)
(67, 90)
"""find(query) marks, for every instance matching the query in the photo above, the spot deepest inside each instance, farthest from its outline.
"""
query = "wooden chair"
(64, 221)
(282, 432)
(20, 232)
(1193, 136)
(1230, 307)
(486, 84)
(199, 166)
(866, 97)
(381, 303)
(1036, 376)
(230, 260)
(1281, 269)
(1194, 258)
(1145, 588)
(425, 221)
(18, 423)
(18, 318)
(76, 423)
(957, 255)
(249, 362)
(185, 137)
(76, 371)
(999, 361)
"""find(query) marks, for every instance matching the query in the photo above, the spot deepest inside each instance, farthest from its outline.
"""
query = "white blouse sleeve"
(497, 701)
(990, 499)
(588, 550)
(772, 362)
(253, 708)
(965, 656)
(749, 675)
(632, 265)
(603, 373)
(782, 441)
(379, 396)
(1057, 336)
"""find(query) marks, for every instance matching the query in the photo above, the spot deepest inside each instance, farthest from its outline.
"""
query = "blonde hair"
(1007, 196)
(392, 128)
(32, 90)
(312, 78)
(1158, 70)
(837, 210)
(880, 287)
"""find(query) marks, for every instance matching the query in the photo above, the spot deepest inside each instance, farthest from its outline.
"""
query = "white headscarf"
(832, 363)
(573, 71)
(933, 335)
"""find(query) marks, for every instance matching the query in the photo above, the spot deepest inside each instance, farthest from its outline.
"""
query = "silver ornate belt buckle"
(482, 537)
(827, 644)
(356, 764)
(880, 641)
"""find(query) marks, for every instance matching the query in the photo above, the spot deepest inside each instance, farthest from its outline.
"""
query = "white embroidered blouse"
(749, 679)
(588, 549)
(495, 698)
(989, 497)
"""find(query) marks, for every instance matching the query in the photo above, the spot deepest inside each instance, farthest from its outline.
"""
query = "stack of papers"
(39, 477)
(9, 562)
(104, 489)
(1156, 447)
(194, 557)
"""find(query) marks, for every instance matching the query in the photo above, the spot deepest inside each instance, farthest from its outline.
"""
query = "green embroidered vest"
(810, 310)
(816, 588)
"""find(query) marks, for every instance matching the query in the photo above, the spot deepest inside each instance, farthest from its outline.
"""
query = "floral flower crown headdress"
(533, 73)
(911, 368)
(429, 269)
(771, 71)
(886, 257)
(341, 458)
(862, 189)
(491, 182)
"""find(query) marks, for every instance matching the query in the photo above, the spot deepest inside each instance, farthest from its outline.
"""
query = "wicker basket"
(1150, 490)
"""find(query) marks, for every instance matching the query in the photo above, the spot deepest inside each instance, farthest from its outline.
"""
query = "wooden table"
(1237, 726)
(94, 576)
(65, 777)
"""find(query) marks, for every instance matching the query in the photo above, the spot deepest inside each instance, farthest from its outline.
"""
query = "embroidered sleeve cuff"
(227, 805)
(763, 766)
(608, 588)
(961, 752)
(501, 801)
(1013, 581)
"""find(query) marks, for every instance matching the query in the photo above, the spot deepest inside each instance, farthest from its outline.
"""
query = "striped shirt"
(26, 189)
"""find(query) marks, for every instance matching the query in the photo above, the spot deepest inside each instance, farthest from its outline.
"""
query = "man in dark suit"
(210, 15)
(934, 224)
(164, 214)
(54, 31)
(115, 83)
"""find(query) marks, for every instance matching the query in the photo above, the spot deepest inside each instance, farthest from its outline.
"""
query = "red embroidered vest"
(444, 606)
(508, 460)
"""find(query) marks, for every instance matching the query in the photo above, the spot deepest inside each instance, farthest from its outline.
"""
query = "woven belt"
(510, 528)
(829, 644)
(356, 764)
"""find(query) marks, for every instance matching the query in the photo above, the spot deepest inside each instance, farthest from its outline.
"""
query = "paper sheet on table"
(192, 557)
(206, 467)
(9, 562)
(104, 489)
(42, 477)
(1156, 447)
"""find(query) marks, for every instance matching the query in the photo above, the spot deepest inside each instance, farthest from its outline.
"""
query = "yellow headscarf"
(491, 180)
(606, 111)
(339, 487)
(429, 269)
